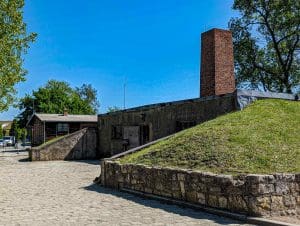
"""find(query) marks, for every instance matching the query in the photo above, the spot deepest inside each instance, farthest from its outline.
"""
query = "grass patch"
(51, 141)
(263, 138)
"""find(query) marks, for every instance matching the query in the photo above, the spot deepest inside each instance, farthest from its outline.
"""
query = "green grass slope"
(262, 138)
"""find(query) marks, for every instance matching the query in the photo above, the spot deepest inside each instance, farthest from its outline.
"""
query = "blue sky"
(154, 44)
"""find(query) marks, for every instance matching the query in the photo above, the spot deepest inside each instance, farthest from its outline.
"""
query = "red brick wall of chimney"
(217, 65)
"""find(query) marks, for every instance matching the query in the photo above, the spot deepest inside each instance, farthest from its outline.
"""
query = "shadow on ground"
(187, 212)
(24, 160)
(91, 162)
(14, 151)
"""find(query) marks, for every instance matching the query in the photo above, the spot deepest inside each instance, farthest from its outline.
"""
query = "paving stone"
(62, 193)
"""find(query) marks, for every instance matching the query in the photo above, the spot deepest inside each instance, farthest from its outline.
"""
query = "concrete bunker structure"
(123, 130)
(120, 131)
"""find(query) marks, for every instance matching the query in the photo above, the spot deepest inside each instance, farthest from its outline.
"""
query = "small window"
(62, 127)
(116, 132)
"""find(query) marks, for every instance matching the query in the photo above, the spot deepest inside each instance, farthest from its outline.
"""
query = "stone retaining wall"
(79, 145)
(255, 195)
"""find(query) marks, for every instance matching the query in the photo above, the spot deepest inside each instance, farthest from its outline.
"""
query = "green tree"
(113, 109)
(18, 135)
(266, 40)
(1, 131)
(14, 42)
(89, 95)
(18, 132)
(14, 128)
(56, 96)
(23, 134)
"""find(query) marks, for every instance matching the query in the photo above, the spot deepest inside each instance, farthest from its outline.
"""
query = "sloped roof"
(65, 118)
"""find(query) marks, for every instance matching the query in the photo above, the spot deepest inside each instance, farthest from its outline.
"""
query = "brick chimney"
(217, 69)
(66, 112)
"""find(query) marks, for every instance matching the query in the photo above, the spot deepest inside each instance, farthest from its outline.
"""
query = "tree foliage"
(89, 95)
(1, 131)
(113, 109)
(14, 129)
(18, 132)
(14, 41)
(267, 44)
(56, 96)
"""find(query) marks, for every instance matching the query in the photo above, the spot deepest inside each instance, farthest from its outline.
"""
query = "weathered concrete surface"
(61, 193)
(162, 119)
(79, 145)
(246, 97)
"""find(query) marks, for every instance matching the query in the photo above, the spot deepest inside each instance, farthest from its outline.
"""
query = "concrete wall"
(256, 195)
(162, 119)
(76, 146)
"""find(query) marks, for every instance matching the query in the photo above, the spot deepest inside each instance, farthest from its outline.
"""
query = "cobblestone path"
(62, 193)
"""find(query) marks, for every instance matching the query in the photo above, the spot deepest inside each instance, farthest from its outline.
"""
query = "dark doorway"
(145, 134)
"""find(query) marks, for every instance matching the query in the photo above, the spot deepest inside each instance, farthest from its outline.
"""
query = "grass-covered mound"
(262, 138)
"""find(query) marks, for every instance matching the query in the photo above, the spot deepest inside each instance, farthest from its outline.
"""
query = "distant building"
(6, 127)
(44, 127)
